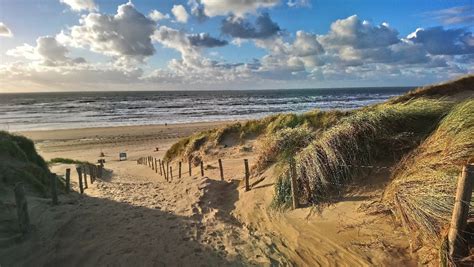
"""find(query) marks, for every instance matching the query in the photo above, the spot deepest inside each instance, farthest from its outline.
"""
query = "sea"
(69, 110)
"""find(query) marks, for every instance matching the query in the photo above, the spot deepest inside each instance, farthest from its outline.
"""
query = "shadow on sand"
(88, 231)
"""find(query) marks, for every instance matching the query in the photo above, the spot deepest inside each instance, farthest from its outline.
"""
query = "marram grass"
(260, 128)
(366, 137)
(424, 185)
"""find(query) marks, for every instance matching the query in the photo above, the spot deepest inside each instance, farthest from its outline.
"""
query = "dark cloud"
(198, 11)
(205, 40)
(240, 28)
(440, 41)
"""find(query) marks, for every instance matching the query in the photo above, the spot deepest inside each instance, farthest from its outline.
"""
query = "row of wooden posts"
(94, 172)
(166, 169)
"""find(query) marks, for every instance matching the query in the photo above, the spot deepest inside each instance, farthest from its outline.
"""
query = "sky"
(84, 45)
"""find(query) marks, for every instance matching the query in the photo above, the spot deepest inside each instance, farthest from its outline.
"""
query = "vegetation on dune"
(19, 162)
(66, 161)
(422, 192)
(444, 89)
(369, 136)
(314, 120)
(282, 145)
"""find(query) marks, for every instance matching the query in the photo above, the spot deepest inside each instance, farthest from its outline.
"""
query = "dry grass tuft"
(423, 190)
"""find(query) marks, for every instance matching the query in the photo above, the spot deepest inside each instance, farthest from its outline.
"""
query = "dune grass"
(66, 161)
(444, 89)
(422, 192)
(314, 120)
(20, 162)
(370, 135)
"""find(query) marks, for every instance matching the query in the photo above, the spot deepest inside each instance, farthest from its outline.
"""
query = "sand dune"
(134, 217)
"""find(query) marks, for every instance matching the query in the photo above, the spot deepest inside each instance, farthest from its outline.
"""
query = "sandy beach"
(133, 216)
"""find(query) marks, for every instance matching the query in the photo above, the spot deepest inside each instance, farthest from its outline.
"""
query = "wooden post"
(167, 170)
(171, 173)
(164, 170)
(294, 184)
(100, 170)
(156, 165)
(68, 180)
(189, 167)
(91, 173)
(161, 172)
(54, 189)
(202, 168)
(22, 208)
(221, 170)
(79, 175)
(152, 163)
(247, 175)
(179, 170)
(456, 241)
(85, 177)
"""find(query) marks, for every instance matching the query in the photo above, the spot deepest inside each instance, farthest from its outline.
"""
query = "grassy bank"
(238, 133)
(20, 162)
(424, 182)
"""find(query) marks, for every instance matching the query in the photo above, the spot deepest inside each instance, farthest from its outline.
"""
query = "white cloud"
(18, 76)
(359, 34)
(80, 5)
(47, 50)
(5, 31)
(156, 15)
(298, 3)
(180, 13)
(125, 35)
(238, 8)
(453, 15)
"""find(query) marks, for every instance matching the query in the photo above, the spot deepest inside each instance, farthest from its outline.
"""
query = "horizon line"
(213, 90)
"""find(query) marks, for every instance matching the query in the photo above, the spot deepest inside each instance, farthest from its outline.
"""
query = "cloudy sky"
(75, 45)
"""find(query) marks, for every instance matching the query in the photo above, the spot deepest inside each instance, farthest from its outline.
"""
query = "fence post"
(85, 177)
(54, 191)
(79, 175)
(457, 245)
(294, 184)
(22, 208)
(156, 165)
(164, 171)
(68, 180)
(167, 170)
(179, 171)
(202, 168)
(247, 174)
(171, 173)
(91, 174)
(221, 170)
(189, 167)
(161, 172)
(159, 161)
(101, 170)
(153, 163)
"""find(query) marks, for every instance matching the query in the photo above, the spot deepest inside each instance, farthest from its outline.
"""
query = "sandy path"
(133, 217)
